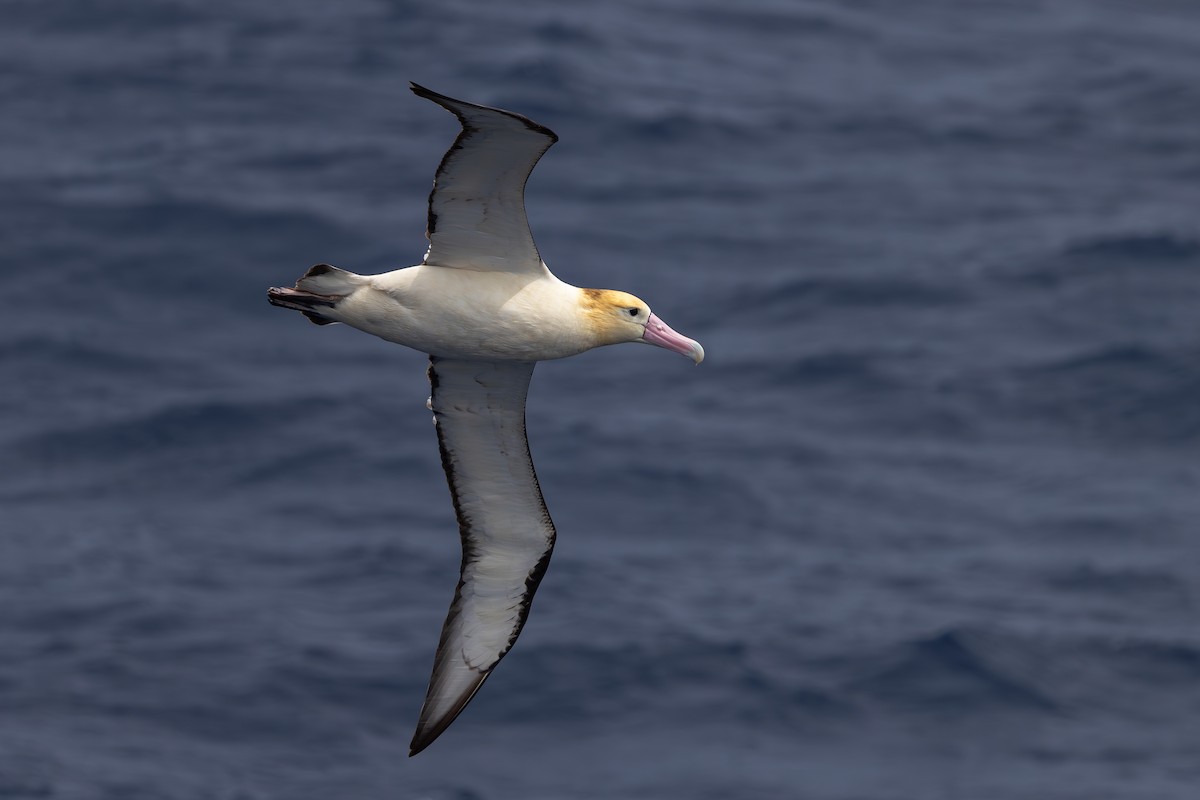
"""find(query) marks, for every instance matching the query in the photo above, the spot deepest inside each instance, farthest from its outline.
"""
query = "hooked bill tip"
(659, 333)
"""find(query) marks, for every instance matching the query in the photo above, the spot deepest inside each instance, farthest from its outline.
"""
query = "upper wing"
(477, 206)
(507, 535)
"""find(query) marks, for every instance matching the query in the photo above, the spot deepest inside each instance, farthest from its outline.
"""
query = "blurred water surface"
(922, 526)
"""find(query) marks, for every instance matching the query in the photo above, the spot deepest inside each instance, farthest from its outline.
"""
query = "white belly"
(466, 314)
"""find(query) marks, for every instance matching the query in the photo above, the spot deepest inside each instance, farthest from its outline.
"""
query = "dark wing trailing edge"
(477, 206)
(507, 534)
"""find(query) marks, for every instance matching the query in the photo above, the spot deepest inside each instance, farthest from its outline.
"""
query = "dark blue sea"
(923, 526)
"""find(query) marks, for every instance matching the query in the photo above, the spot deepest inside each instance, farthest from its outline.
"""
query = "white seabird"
(486, 309)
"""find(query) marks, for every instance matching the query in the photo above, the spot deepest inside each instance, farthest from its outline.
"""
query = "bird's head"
(618, 317)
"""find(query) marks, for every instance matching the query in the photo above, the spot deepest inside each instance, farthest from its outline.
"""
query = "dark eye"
(633, 312)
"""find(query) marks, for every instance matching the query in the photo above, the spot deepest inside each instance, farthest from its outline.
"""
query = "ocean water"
(923, 524)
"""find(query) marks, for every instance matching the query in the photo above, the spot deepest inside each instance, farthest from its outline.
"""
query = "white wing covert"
(507, 534)
(477, 206)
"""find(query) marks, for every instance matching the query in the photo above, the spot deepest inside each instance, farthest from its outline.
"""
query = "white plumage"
(486, 308)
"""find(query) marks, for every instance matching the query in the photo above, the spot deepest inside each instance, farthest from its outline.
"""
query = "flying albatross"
(486, 309)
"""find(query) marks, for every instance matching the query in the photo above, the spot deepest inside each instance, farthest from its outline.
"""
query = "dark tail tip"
(300, 299)
(306, 303)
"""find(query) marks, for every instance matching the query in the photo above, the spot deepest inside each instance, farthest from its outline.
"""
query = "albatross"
(485, 308)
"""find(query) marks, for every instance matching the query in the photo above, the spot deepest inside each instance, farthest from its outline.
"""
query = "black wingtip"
(448, 103)
(426, 735)
(417, 746)
(421, 91)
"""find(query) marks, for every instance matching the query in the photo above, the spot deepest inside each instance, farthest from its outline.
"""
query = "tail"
(320, 290)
